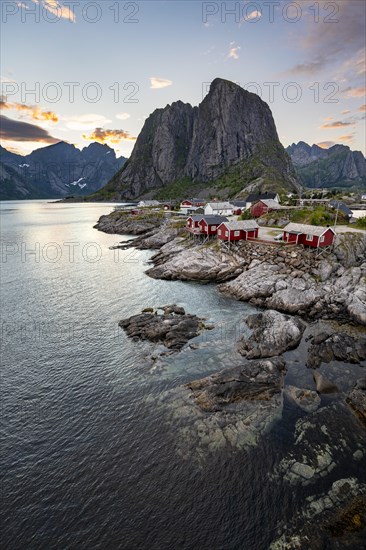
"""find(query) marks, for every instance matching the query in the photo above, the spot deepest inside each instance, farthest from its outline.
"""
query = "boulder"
(323, 385)
(326, 348)
(172, 329)
(273, 333)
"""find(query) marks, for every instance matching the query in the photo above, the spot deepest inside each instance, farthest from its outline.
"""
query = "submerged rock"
(323, 385)
(174, 328)
(230, 409)
(307, 400)
(323, 440)
(336, 519)
(273, 334)
(356, 399)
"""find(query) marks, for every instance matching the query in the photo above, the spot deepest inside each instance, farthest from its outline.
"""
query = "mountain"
(337, 166)
(57, 171)
(225, 146)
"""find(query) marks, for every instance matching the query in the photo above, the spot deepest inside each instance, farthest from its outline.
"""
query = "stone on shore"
(326, 348)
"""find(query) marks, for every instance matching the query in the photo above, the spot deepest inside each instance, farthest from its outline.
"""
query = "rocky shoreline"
(232, 408)
(287, 279)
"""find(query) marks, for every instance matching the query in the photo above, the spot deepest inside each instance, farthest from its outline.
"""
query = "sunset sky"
(83, 71)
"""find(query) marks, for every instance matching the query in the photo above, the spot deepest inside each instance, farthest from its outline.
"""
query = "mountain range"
(226, 146)
(337, 166)
(57, 171)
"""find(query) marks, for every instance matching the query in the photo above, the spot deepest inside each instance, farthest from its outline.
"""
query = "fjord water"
(87, 460)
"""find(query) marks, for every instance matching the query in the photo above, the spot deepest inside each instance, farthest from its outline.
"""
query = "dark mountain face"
(57, 171)
(337, 166)
(229, 142)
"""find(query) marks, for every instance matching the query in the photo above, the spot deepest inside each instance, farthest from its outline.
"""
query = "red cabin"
(264, 206)
(309, 235)
(192, 224)
(210, 224)
(238, 231)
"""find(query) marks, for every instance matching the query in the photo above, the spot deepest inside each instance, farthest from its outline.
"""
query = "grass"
(361, 223)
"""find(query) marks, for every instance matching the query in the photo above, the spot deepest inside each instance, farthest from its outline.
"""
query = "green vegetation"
(361, 223)
(179, 189)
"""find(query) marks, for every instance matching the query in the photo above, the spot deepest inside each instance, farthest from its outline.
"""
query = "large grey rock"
(273, 333)
(323, 385)
(174, 328)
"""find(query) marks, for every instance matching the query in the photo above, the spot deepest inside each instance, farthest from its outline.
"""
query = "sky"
(84, 71)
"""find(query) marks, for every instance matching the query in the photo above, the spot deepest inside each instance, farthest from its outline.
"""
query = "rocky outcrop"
(331, 167)
(232, 132)
(272, 334)
(187, 264)
(326, 348)
(336, 519)
(120, 223)
(356, 399)
(321, 444)
(307, 400)
(230, 409)
(174, 328)
(258, 380)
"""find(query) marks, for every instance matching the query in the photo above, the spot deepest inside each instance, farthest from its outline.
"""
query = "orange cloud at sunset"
(34, 112)
(112, 136)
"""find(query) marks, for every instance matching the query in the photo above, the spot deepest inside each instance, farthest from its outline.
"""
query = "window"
(214, 228)
(226, 233)
(309, 238)
(322, 239)
(236, 233)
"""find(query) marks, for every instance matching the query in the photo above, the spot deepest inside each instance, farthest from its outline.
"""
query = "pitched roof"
(220, 205)
(214, 220)
(241, 225)
(342, 207)
(253, 197)
(300, 228)
(271, 204)
(210, 219)
(238, 203)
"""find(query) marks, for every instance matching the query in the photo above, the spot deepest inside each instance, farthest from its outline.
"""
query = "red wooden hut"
(210, 224)
(264, 206)
(309, 235)
(238, 231)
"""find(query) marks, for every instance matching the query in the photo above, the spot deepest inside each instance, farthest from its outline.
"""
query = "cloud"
(326, 144)
(233, 51)
(17, 130)
(347, 138)
(362, 108)
(346, 112)
(123, 116)
(57, 9)
(253, 15)
(158, 83)
(336, 124)
(328, 43)
(354, 92)
(86, 122)
(112, 136)
(34, 112)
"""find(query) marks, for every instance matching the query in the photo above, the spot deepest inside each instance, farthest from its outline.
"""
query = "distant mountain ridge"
(337, 166)
(226, 145)
(57, 171)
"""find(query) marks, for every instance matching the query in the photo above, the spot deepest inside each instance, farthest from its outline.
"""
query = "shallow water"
(88, 460)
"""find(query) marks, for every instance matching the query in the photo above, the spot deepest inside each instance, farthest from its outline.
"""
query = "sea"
(88, 452)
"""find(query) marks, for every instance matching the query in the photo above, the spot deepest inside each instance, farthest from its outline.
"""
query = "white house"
(146, 204)
(219, 209)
